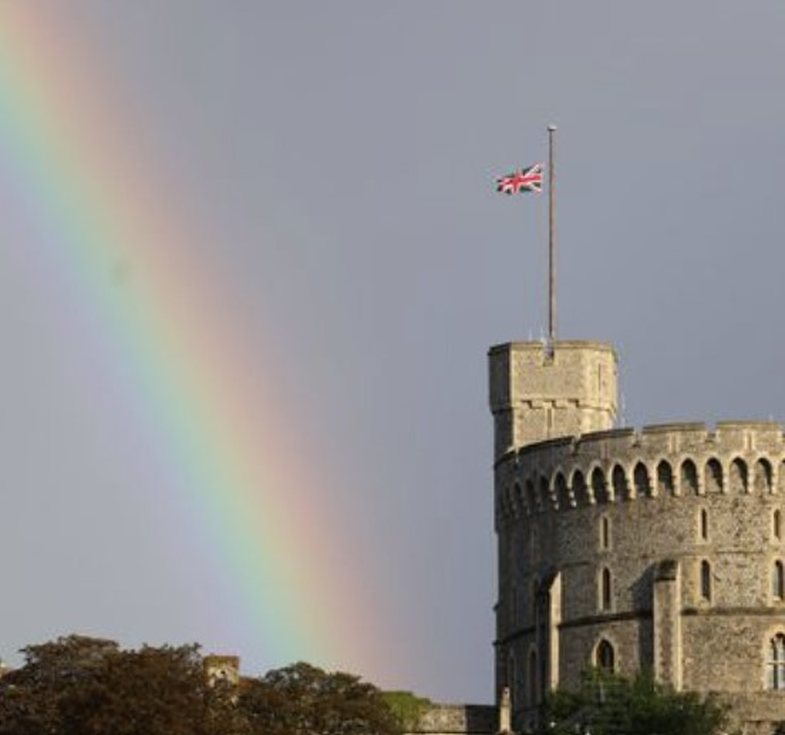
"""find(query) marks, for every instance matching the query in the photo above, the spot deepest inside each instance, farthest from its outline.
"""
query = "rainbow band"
(216, 426)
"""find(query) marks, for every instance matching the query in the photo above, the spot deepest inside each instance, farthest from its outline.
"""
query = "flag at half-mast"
(527, 179)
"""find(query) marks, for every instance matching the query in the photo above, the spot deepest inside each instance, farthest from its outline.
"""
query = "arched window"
(664, 479)
(579, 491)
(776, 524)
(641, 479)
(605, 589)
(704, 524)
(775, 666)
(713, 476)
(531, 497)
(598, 486)
(563, 495)
(778, 581)
(705, 580)
(545, 493)
(738, 476)
(619, 481)
(689, 478)
(605, 657)
(605, 533)
(762, 477)
(534, 687)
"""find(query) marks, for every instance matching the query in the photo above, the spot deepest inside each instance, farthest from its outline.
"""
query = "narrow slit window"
(778, 581)
(776, 525)
(605, 589)
(605, 533)
(705, 580)
(704, 525)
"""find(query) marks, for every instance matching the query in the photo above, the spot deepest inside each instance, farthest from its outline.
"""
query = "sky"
(252, 260)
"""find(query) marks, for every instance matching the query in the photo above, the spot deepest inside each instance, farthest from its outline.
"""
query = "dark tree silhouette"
(87, 686)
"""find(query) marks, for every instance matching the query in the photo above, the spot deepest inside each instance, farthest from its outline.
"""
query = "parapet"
(675, 459)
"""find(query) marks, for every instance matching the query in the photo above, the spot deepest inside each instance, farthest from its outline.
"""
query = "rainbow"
(243, 480)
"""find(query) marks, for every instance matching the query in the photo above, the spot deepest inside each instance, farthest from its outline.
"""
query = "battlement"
(624, 464)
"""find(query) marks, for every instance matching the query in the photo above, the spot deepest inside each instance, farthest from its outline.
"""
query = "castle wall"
(457, 719)
(652, 508)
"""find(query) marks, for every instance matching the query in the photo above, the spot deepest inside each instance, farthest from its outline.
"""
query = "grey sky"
(342, 156)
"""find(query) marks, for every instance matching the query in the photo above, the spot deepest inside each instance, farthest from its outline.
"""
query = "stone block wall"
(682, 519)
(537, 393)
(457, 719)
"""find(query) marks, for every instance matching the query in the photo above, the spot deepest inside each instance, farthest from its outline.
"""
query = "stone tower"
(658, 549)
(538, 394)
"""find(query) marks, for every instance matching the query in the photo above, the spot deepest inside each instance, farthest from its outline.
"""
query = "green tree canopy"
(304, 700)
(611, 705)
(87, 686)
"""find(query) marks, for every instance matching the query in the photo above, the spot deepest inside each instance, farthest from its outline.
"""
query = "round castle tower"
(659, 549)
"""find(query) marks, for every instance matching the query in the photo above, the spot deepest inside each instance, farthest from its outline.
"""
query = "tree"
(607, 704)
(304, 700)
(86, 686)
(407, 707)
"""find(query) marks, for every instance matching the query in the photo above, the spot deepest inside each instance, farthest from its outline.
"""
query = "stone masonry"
(660, 549)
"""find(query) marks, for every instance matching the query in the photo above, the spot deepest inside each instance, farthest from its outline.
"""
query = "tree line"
(86, 686)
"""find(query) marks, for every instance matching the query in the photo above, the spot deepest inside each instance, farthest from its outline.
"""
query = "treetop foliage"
(608, 704)
(407, 707)
(302, 699)
(87, 686)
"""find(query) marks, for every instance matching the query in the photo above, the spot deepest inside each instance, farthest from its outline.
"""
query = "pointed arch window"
(775, 666)
(664, 478)
(705, 580)
(778, 581)
(605, 657)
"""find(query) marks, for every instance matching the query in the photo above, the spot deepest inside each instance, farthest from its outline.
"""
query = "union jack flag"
(527, 179)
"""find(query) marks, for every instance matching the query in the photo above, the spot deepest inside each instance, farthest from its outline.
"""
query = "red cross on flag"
(527, 179)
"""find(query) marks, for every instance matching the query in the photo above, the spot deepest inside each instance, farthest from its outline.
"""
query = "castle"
(660, 549)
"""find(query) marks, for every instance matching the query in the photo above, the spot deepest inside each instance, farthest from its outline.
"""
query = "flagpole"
(551, 242)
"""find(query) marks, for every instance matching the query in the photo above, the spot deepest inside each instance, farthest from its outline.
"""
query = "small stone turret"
(222, 668)
(538, 394)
